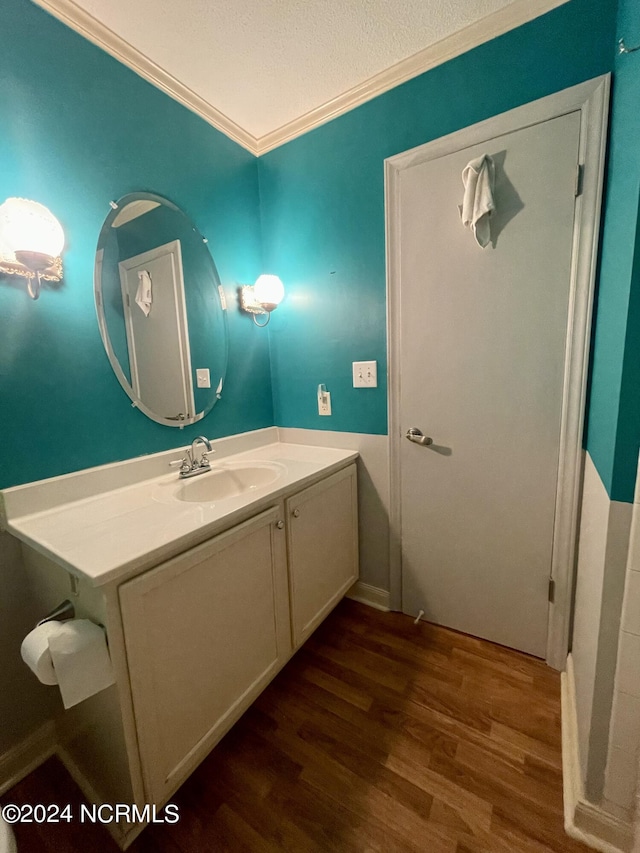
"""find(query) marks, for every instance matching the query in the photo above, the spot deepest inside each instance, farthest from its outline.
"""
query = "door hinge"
(552, 590)
(128, 301)
(579, 177)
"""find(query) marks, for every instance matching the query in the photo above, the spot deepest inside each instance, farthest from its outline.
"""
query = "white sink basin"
(228, 480)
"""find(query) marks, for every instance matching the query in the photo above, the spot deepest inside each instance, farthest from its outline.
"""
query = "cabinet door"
(204, 633)
(323, 549)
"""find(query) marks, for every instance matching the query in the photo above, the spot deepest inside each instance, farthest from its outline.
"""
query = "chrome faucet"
(191, 465)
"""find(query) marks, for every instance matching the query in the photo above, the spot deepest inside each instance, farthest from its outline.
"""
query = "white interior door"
(482, 365)
(158, 343)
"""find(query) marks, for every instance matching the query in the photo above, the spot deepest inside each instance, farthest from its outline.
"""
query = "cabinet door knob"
(296, 513)
(280, 524)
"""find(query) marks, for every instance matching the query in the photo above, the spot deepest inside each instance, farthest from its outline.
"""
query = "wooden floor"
(380, 735)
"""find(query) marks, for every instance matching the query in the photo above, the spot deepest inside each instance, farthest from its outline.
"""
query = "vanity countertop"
(116, 533)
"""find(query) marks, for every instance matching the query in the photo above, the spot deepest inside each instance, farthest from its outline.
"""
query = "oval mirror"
(161, 309)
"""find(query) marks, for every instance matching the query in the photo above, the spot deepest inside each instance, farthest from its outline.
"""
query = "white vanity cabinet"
(202, 603)
(322, 544)
(204, 633)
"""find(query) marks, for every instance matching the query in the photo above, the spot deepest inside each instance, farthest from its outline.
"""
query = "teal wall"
(79, 129)
(613, 434)
(322, 204)
(628, 427)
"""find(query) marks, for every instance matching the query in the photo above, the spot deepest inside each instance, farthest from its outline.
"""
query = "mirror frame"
(116, 208)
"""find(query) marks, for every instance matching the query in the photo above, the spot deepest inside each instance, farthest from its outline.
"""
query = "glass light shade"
(268, 290)
(28, 226)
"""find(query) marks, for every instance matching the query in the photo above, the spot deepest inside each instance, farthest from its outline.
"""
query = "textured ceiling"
(264, 63)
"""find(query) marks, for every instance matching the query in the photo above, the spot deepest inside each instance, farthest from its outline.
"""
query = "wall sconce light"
(262, 298)
(31, 240)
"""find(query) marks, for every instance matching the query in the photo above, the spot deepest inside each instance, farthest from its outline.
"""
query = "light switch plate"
(365, 374)
(203, 377)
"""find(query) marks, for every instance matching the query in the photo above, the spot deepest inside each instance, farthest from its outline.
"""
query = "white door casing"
(588, 102)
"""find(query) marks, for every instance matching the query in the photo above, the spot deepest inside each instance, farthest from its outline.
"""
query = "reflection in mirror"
(161, 309)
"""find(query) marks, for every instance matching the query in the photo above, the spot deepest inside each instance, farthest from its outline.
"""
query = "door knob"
(296, 513)
(415, 434)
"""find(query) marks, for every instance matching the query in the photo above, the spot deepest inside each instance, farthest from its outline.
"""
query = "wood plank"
(474, 810)
(338, 687)
(542, 751)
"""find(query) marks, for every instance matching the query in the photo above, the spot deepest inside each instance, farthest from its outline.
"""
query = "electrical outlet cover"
(203, 377)
(324, 404)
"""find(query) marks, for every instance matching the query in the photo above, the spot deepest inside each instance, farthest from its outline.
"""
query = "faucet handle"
(184, 465)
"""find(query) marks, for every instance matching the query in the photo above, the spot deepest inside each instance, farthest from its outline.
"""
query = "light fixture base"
(249, 303)
(18, 265)
(36, 261)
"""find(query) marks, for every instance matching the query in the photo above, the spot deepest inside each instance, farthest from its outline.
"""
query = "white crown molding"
(82, 22)
(510, 17)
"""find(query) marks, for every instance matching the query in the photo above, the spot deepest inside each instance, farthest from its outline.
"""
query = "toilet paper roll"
(36, 654)
(80, 659)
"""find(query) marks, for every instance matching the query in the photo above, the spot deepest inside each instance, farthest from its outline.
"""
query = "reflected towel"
(144, 297)
(478, 203)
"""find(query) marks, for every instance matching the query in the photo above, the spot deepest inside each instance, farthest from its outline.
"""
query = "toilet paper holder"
(63, 611)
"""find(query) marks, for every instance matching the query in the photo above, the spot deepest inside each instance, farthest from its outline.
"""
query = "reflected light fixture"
(31, 240)
(262, 298)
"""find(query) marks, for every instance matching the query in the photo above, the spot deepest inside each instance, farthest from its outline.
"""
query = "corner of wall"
(622, 771)
(601, 688)
(585, 822)
(601, 567)
(616, 555)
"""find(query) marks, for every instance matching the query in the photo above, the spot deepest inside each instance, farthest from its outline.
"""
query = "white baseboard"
(583, 820)
(371, 595)
(25, 756)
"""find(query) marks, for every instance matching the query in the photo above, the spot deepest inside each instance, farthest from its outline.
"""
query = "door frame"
(591, 99)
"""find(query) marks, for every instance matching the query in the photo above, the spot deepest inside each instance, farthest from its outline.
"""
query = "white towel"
(144, 297)
(478, 203)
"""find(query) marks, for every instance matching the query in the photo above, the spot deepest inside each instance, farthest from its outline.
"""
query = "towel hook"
(622, 48)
